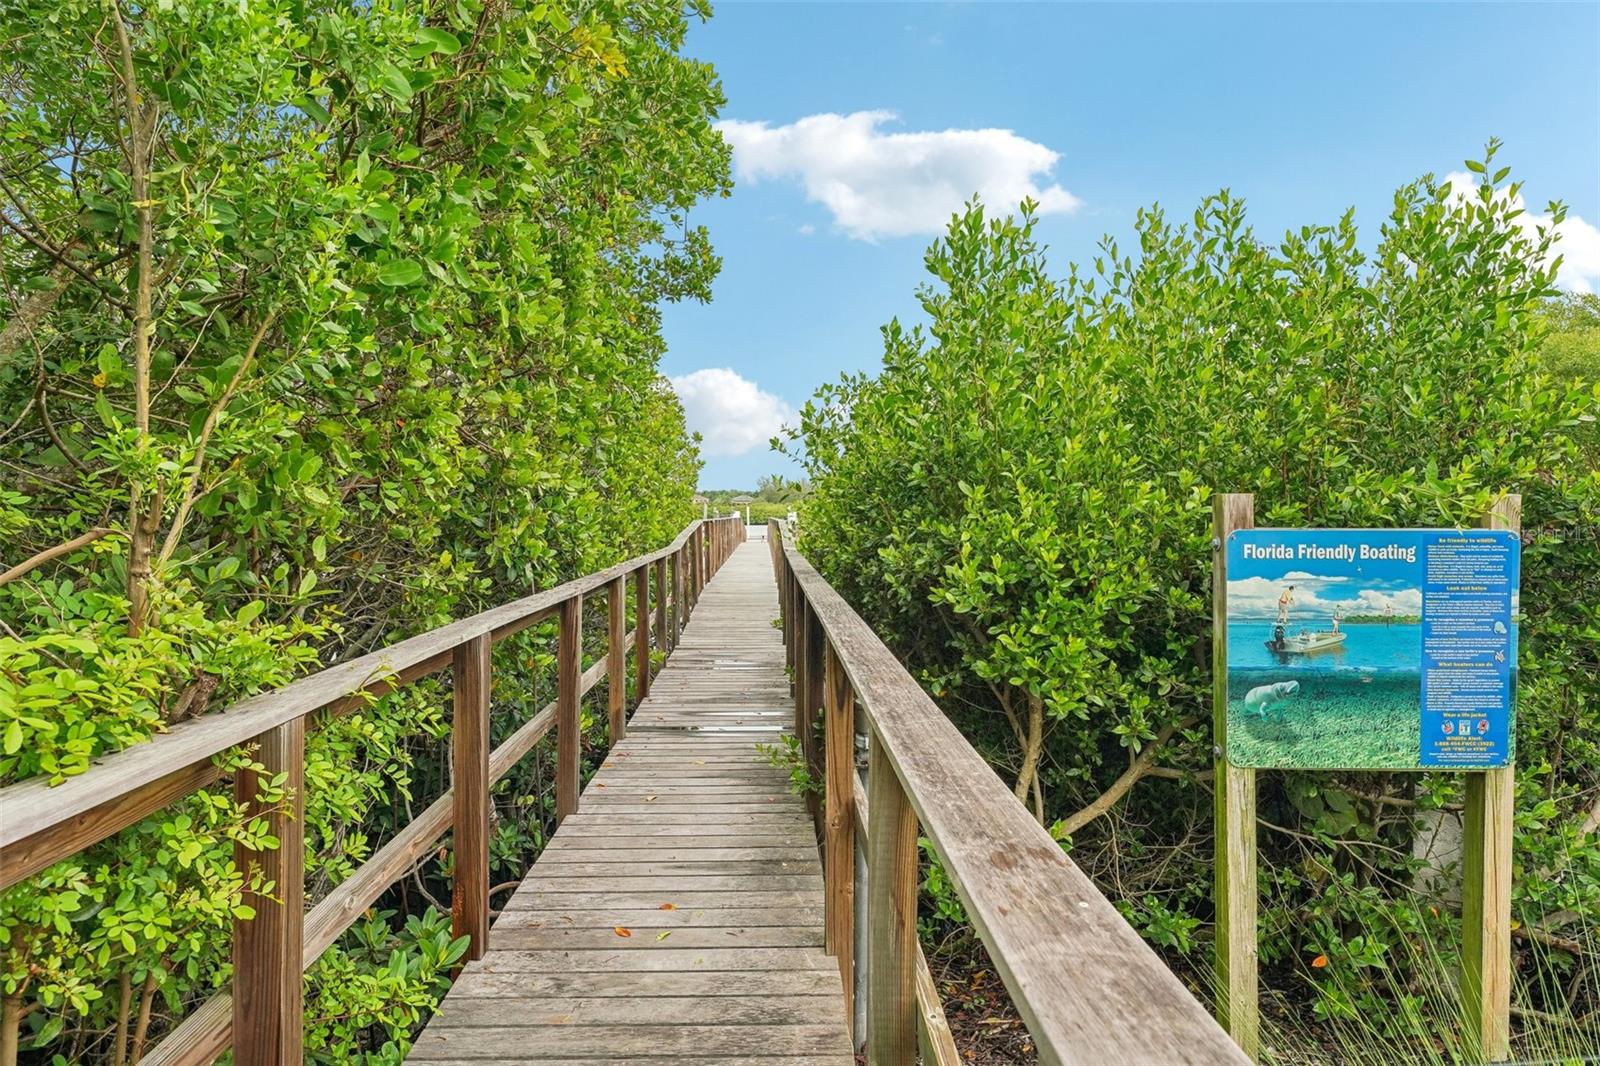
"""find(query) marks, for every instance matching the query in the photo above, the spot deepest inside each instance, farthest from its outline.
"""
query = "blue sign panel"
(1371, 649)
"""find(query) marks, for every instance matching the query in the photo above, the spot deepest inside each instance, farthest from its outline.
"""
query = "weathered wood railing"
(1089, 989)
(43, 824)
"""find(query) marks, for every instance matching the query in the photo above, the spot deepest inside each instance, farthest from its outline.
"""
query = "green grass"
(1398, 1001)
(1335, 722)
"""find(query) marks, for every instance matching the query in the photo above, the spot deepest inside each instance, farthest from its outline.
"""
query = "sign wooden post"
(1234, 865)
(1415, 670)
(1486, 891)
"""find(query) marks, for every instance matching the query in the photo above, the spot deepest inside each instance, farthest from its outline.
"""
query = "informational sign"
(1371, 649)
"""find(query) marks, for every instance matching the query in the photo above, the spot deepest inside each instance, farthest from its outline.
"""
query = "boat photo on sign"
(1371, 649)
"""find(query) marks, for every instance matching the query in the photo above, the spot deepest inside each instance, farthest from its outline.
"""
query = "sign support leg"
(1234, 864)
(1486, 893)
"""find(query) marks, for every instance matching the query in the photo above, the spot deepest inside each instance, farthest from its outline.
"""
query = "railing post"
(816, 644)
(569, 674)
(687, 554)
(268, 1000)
(616, 659)
(680, 609)
(801, 711)
(662, 640)
(699, 563)
(839, 843)
(1233, 811)
(1488, 824)
(783, 606)
(641, 633)
(469, 760)
(786, 612)
(891, 916)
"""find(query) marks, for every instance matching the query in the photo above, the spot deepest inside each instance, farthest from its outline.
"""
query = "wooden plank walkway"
(691, 844)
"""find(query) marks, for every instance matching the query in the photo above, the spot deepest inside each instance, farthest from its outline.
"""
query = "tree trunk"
(143, 521)
(141, 1028)
(10, 1028)
(141, 541)
(1032, 746)
(1140, 767)
(119, 1052)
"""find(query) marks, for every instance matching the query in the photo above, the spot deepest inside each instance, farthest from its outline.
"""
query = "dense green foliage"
(1572, 351)
(324, 323)
(1020, 503)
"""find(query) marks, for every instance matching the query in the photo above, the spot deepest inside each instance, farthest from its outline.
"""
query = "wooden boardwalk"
(677, 916)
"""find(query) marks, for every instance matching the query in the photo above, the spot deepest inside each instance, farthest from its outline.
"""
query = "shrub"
(1020, 504)
(324, 324)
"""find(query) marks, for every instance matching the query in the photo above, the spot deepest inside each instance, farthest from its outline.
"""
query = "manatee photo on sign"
(1371, 649)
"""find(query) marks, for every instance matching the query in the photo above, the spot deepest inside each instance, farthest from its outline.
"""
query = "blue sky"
(1323, 584)
(1303, 109)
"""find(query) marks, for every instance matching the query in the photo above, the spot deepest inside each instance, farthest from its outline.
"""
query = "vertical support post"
(268, 1000)
(692, 578)
(814, 697)
(858, 986)
(661, 607)
(801, 711)
(784, 610)
(1234, 803)
(839, 841)
(680, 609)
(641, 633)
(469, 761)
(1486, 891)
(891, 916)
(789, 586)
(569, 677)
(616, 659)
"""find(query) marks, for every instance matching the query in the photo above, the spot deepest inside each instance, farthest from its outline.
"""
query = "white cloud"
(1579, 246)
(890, 184)
(1316, 598)
(730, 412)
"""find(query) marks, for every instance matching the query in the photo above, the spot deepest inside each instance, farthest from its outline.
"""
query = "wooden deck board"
(690, 841)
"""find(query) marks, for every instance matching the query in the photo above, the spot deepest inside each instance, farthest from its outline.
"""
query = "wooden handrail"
(1088, 987)
(45, 823)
